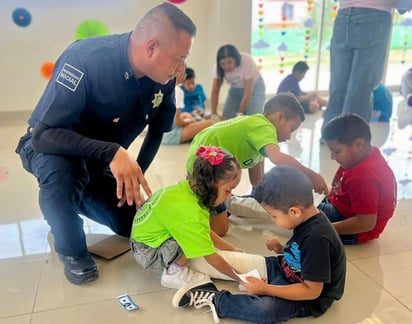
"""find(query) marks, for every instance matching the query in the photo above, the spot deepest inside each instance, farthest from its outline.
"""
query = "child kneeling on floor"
(363, 195)
(304, 280)
(364, 192)
(172, 226)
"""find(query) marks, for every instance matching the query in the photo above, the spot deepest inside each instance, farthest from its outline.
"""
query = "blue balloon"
(21, 17)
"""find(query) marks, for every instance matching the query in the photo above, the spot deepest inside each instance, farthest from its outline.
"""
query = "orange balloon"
(46, 70)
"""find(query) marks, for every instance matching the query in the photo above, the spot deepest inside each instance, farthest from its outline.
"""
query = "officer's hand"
(129, 177)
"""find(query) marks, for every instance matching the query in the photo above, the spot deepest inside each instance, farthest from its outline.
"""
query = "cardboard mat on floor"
(107, 246)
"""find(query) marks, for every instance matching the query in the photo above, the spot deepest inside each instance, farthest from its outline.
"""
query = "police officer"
(103, 93)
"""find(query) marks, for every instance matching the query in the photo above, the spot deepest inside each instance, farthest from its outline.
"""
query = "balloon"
(91, 27)
(46, 70)
(21, 17)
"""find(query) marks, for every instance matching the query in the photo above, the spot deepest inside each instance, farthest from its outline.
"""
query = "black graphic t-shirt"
(316, 253)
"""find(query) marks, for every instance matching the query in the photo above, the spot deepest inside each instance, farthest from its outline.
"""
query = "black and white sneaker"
(79, 270)
(199, 295)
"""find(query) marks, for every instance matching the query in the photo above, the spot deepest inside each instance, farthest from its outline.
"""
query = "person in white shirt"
(246, 94)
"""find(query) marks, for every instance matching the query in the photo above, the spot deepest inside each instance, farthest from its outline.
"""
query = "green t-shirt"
(245, 137)
(174, 212)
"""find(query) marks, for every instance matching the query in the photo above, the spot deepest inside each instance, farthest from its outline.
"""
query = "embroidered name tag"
(69, 77)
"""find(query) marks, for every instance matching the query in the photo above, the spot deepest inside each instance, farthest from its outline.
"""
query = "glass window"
(285, 32)
(400, 54)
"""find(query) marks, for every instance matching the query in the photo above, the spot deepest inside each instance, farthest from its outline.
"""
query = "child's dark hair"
(224, 51)
(189, 73)
(286, 102)
(284, 187)
(346, 128)
(301, 67)
(206, 174)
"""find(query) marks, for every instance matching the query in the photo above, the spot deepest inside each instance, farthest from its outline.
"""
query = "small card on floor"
(127, 302)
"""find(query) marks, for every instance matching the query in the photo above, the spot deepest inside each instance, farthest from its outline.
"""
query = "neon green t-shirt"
(245, 137)
(174, 211)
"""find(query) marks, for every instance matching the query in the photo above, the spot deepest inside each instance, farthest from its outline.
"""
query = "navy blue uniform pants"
(73, 186)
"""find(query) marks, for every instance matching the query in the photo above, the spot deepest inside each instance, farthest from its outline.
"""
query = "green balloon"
(90, 28)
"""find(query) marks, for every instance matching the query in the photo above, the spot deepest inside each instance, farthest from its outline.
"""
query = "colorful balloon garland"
(261, 28)
(282, 48)
(308, 24)
(335, 8)
(406, 24)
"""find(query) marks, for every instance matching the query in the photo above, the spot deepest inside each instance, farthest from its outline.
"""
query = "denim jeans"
(357, 56)
(261, 309)
(334, 216)
(255, 104)
(72, 186)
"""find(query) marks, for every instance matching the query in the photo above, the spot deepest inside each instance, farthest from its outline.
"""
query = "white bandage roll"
(246, 207)
(241, 262)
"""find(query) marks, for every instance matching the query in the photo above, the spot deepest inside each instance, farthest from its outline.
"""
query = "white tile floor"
(34, 289)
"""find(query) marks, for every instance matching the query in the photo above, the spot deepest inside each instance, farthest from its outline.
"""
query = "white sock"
(174, 268)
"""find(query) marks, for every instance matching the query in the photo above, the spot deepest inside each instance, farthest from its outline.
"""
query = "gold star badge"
(157, 99)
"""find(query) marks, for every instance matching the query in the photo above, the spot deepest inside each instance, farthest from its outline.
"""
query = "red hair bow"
(212, 154)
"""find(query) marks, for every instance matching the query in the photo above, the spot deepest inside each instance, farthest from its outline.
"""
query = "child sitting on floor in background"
(311, 101)
(194, 95)
(185, 126)
(363, 194)
(172, 226)
(307, 276)
(382, 104)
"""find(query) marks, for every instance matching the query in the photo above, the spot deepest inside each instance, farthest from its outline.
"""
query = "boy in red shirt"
(363, 194)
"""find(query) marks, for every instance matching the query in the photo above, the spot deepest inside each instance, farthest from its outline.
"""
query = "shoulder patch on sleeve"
(69, 77)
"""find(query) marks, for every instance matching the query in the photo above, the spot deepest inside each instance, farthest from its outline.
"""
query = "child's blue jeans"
(334, 216)
(261, 309)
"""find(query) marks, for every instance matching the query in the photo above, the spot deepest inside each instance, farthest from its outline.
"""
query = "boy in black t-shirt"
(307, 275)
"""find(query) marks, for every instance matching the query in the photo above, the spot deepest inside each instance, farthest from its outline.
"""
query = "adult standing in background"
(357, 55)
(246, 94)
(104, 92)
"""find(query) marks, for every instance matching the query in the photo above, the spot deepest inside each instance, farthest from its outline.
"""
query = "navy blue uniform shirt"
(94, 93)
